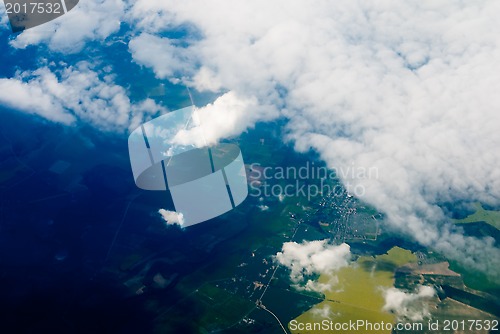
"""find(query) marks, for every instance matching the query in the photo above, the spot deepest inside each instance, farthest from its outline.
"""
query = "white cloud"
(318, 286)
(76, 93)
(172, 217)
(313, 257)
(20, 95)
(4, 19)
(230, 115)
(90, 20)
(263, 207)
(167, 59)
(408, 305)
(410, 88)
(323, 312)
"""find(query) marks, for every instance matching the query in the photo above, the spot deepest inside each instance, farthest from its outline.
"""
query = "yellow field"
(359, 292)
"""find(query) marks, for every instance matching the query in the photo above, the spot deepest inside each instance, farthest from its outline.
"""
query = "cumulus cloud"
(408, 305)
(172, 217)
(409, 88)
(230, 114)
(32, 98)
(313, 257)
(76, 93)
(167, 58)
(90, 20)
(317, 286)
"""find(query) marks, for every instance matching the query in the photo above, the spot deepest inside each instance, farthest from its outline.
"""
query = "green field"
(487, 216)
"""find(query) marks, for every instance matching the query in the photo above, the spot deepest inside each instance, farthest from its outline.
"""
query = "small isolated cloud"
(408, 305)
(313, 257)
(320, 287)
(228, 116)
(263, 207)
(172, 217)
(323, 312)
